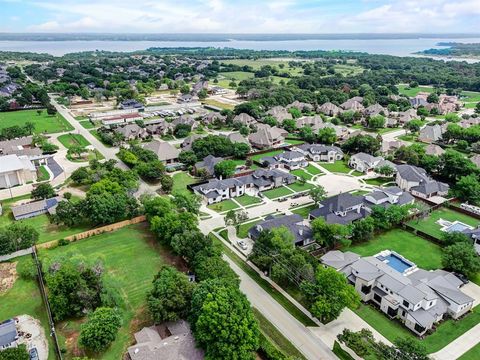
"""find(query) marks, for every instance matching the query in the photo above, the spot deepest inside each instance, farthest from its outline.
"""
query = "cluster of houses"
(7, 85)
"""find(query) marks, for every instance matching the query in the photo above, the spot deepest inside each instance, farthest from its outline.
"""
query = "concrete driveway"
(335, 184)
(473, 290)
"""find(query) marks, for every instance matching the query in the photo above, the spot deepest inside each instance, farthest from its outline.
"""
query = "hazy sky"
(240, 16)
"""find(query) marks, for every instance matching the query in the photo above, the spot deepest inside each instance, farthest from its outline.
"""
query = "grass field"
(338, 166)
(43, 174)
(224, 205)
(257, 64)
(218, 104)
(406, 244)
(24, 298)
(87, 124)
(118, 251)
(472, 96)
(267, 154)
(429, 225)
(378, 181)
(247, 200)
(472, 354)
(470, 105)
(406, 90)
(276, 193)
(298, 187)
(313, 170)
(71, 140)
(304, 211)
(445, 333)
(302, 174)
(294, 141)
(180, 182)
(242, 230)
(44, 123)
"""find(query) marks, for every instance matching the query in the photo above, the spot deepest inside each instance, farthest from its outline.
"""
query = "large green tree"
(461, 257)
(100, 330)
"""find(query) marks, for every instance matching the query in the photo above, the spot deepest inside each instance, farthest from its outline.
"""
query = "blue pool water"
(457, 227)
(396, 263)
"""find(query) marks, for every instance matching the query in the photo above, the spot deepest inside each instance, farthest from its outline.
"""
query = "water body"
(397, 47)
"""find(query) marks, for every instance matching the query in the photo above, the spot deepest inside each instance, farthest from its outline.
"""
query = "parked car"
(282, 199)
(33, 354)
(242, 244)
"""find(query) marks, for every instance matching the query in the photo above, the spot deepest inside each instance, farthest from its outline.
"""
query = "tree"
(182, 130)
(289, 125)
(15, 353)
(223, 322)
(167, 183)
(376, 122)
(202, 94)
(461, 257)
(326, 234)
(100, 330)
(385, 170)
(414, 125)
(329, 294)
(361, 143)
(76, 150)
(327, 136)
(188, 157)
(433, 98)
(296, 113)
(185, 89)
(452, 117)
(467, 189)
(80, 175)
(67, 213)
(363, 230)
(191, 243)
(214, 267)
(318, 194)
(454, 237)
(150, 171)
(477, 108)
(169, 300)
(240, 150)
(187, 202)
(454, 165)
(422, 112)
(43, 191)
(225, 168)
(411, 350)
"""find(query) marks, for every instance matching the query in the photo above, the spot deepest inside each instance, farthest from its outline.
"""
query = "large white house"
(319, 152)
(16, 170)
(363, 162)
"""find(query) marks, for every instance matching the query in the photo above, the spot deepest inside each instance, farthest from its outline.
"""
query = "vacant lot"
(120, 252)
(44, 123)
(425, 254)
(71, 140)
(429, 225)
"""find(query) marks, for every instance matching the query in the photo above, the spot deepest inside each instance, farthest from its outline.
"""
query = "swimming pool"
(457, 226)
(397, 263)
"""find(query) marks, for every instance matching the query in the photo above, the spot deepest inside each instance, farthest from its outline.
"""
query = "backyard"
(44, 123)
(180, 182)
(134, 278)
(267, 154)
(429, 224)
(405, 244)
(408, 91)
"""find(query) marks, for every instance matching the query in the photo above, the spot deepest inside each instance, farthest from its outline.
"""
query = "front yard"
(247, 200)
(299, 187)
(242, 229)
(71, 140)
(278, 192)
(429, 225)
(304, 211)
(339, 166)
(224, 205)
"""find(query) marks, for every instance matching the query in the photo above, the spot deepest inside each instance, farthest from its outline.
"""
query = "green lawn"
(472, 354)
(360, 192)
(44, 123)
(87, 124)
(304, 211)
(180, 182)
(43, 174)
(298, 187)
(294, 141)
(71, 140)
(120, 252)
(406, 90)
(224, 205)
(258, 63)
(339, 166)
(276, 193)
(247, 200)
(218, 104)
(24, 298)
(267, 154)
(302, 174)
(429, 225)
(471, 105)
(470, 96)
(313, 170)
(226, 77)
(242, 230)
(445, 333)
(424, 253)
(378, 181)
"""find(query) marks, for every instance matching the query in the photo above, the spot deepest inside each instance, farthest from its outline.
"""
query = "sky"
(241, 16)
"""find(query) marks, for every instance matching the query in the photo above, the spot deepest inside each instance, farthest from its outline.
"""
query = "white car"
(242, 244)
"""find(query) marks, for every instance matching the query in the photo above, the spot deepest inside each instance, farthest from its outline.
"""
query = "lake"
(397, 47)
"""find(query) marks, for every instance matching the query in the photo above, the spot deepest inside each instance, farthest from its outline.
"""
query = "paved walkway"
(459, 346)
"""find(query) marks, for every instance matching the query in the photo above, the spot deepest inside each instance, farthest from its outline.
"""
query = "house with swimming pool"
(417, 297)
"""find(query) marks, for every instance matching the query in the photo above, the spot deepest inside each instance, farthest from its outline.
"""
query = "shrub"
(101, 329)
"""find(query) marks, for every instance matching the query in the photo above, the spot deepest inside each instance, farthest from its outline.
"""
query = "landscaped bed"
(44, 123)
(429, 225)
(422, 252)
(276, 193)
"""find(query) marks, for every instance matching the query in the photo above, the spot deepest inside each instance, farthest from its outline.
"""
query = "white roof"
(13, 163)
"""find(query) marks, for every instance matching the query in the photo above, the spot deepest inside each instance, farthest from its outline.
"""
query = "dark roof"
(208, 163)
(294, 223)
(8, 332)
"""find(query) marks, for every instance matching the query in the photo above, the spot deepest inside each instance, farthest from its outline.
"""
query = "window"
(377, 298)
(366, 289)
(419, 329)
(405, 303)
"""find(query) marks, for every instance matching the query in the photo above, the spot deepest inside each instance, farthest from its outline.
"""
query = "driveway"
(31, 326)
(335, 184)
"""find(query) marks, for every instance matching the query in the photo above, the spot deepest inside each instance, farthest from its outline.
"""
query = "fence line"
(41, 285)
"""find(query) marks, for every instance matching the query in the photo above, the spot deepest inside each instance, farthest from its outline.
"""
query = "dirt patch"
(32, 334)
(8, 276)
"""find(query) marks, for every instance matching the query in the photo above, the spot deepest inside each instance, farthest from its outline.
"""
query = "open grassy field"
(180, 182)
(218, 104)
(429, 225)
(338, 166)
(24, 298)
(276, 193)
(445, 333)
(258, 63)
(119, 252)
(44, 123)
(406, 90)
(470, 96)
(406, 244)
(71, 140)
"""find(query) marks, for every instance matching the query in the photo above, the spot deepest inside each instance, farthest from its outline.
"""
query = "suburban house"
(419, 100)
(330, 109)
(375, 109)
(319, 152)
(35, 208)
(341, 131)
(121, 119)
(217, 190)
(280, 113)
(176, 343)
(405, 117)
(391, 146)
(341, 209)
(430, 133)
(131, 132)
(301, 106)
(267, 137)
(158, 127)
(415, 179)
(208, 164)
(364, 162)
(131, 104)
(386, 197)
(401, 290)
(353, 104)
(315, 122)
(290, 160)
(185, 120)
(433, 149)
(185, 99)
(188, 141)
(466, 123)
(244, 119)
(218, 90)
(213, 117)
(8, 334)
(298, 226)
(16, 170)
(23, 147)
(166, 152)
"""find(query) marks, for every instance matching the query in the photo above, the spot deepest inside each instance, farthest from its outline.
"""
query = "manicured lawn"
(429, 225)
(313, 170)
(472, 354)
(180, 182)
(304, 211)
(95, 133)
(302, 174)
(218, 104)
(294, 142)
(258, 63)
(445, 333)
(378, 181)
(118, 251)
(267, 154)
(422, 252)
(298, 187)
(24, 298)
(471, 105)
(71, 140)
(470, 96)
(247, 200)
(406, 90)
(242, 230)
(224, 205)
(87, 124)
(338, 166)
(44, 123)
(43, 174)
(357, 173)
(278, 192)
(360, 192)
